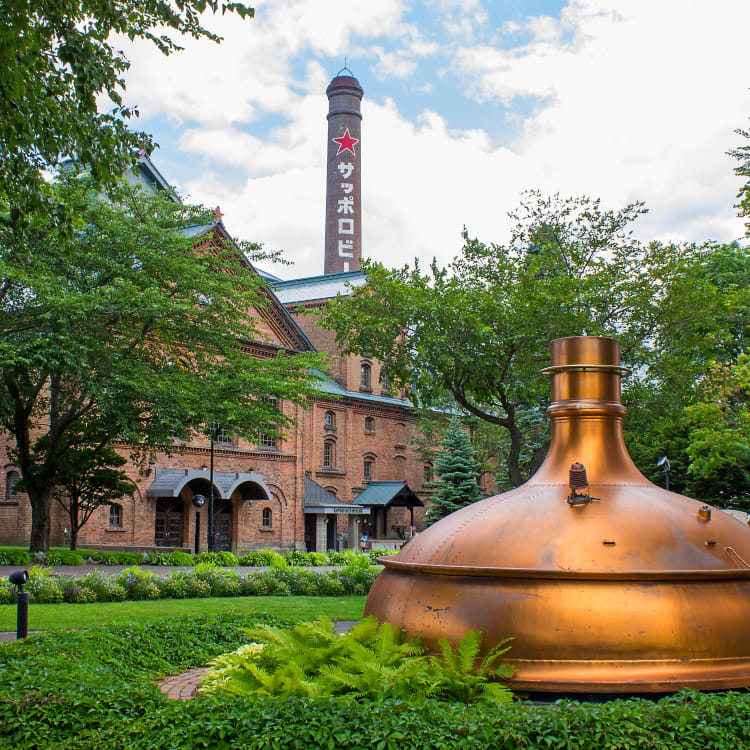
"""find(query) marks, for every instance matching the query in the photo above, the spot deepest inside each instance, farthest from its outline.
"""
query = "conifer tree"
(458, 471)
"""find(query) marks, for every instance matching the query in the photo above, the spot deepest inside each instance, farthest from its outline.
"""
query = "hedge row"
(93, 689)
(202, 580)
(255, 558)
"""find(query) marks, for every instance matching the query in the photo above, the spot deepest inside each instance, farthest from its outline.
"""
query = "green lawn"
(63, 616)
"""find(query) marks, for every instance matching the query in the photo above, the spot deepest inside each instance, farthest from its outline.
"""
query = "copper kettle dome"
(606, 582)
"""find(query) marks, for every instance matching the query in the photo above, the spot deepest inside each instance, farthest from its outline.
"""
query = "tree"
(58, 62)
(742, 154)
(458, 473)
(134, 328)
(719, 434)
(479, 330)
(89, 478)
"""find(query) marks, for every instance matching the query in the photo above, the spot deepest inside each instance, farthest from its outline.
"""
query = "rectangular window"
(267, 441)
(115, 516)
(221, 434)
(368, 471)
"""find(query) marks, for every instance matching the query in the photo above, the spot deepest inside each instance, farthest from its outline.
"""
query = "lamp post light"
(18, 579)
(215, 429)
(663, 464)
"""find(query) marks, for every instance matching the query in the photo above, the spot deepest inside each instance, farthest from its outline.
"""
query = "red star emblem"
(346, 143)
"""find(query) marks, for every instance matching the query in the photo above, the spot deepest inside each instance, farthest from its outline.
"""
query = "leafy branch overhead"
(59, 59)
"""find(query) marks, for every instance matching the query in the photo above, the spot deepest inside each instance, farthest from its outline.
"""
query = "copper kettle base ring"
(590, 575)
(632, 677)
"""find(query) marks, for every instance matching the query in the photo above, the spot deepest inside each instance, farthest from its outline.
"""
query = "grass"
(64, 616)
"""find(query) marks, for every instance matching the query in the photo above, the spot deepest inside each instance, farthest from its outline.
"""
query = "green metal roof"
(326, 384)
(388, 493)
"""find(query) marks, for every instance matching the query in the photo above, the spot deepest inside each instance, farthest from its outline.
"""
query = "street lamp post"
(663, 464)
(211, 539)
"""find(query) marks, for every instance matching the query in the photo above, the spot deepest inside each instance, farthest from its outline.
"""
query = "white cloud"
(628, 101)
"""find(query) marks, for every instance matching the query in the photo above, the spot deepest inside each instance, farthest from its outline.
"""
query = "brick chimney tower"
(343, 182)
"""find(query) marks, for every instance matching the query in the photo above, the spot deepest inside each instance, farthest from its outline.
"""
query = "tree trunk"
(41, 502)
(74, 525)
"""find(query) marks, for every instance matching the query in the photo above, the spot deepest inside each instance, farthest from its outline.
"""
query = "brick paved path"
(182, 687)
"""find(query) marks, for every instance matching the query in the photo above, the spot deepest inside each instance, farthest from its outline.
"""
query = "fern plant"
(372, 661)
(461, 679)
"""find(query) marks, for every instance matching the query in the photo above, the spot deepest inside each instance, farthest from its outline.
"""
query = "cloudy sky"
(467, 103)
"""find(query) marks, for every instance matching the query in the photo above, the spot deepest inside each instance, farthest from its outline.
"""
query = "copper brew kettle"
(606, 582)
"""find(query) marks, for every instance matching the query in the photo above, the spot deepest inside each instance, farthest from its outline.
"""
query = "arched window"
(369, 424)
(115, 516)
(367, 469)
(329, 454)
(266, 518)
(365, 379)
(427, 473)
(10, 485)
(330, 420)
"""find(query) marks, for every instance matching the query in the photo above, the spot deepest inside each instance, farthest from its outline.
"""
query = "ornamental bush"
(42, 586)
(104, 587)
(266, 583)
(139, 584)
(255, 558)
(14, 556)
(183, 559)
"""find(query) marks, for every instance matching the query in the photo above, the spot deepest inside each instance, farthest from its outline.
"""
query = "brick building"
(349, 467)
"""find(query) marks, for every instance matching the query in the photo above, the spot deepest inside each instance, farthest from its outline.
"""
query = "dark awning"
(320, 500)
(388, 494)
(170, 482)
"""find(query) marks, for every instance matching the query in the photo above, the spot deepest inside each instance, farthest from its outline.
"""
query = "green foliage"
(63, 556)
(14, 556)
(228, 559)
(742, 154)
(130, 276)
(105, 588)
(461, 679)
(458, 473)
(109, 700)
(477, 333)
(42, 587)
(254, 558)
(59, 66)
(373, 661)
(138, 583)
(719, 428)
(181, 559)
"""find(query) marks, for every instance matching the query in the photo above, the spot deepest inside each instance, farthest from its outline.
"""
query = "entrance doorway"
(223, 525)
(168, 522)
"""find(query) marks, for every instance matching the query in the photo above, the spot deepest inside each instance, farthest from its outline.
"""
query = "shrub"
(228, 559)
(264, 584)
(184, 585)
(42, 586)
(7, 591)
(14, 556)
(157, 558)
(255, 558)
(342, 558)
(64, 556)
(298, 557)
(139, 584)
(105, 588)
(76, 594)
(212, 558)
(221, 582)
(183, 559)
(275, 560)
